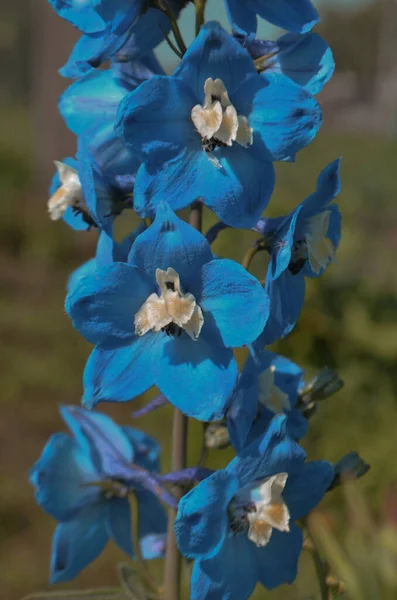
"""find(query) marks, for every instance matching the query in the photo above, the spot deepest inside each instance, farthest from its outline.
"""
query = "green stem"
(200, 14)
(142, 565)
(174, 25)
(173, 558)
(320, 566)
(257, 246)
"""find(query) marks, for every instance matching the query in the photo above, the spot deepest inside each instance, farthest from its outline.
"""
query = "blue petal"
(284, 117)
(214, 53)
(92, 98)
(328, 187)
(131, 70)
(147, 33)
(103, 306)
(234, 301)
(58, 476)
(112, 157)
(196, 377)
(230, 575)
(237, 190)
(170, 242)
(243, 409)
(242, 17)
(108, 441)
(153, 546)
(78, 274)
(77, 543)
(91, 51)
(306, 488)
(146, 449)
(282, 243)
(154, 120)
(274, 452)
(298, 16)
(152, 518)
(122, 374)
(287, 295)
(80, 14)
(306, 59)
(118, 524)
(202, 520)
(277, 563)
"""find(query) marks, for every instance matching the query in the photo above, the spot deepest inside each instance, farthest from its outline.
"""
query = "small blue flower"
(266, 386)
(122, 29)
(213, 129)
(301, 245)
(83, 481)
(169, 317)
(238, 524)
(82, 194)
(298, 16)
(305, 58)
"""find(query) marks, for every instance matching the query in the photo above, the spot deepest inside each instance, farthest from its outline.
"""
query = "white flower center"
(320, 249)
(217, 120)
(262, 507)
(172, 311)
(68, 194)
(270, 395)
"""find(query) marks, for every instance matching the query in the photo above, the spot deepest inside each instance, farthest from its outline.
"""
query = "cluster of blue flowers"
(162, 310)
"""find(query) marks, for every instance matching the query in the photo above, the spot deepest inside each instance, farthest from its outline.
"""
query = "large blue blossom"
(266, 386)
(212, 130)
(298, 16)
(169, 317)
(83, 481)
(305, 58)
(238, 524)
(109, 27)
(301, 245)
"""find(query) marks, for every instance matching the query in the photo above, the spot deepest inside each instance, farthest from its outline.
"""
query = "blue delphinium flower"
(301, 245)
(238, 524)
(83, 195)
(212, 130)
(266, 386)
(305, 58)
(169, 317)
(89, 107)
(83, 482)
(298, 16)
(125, 22)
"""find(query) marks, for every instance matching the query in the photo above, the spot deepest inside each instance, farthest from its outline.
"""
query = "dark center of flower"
(298, 257)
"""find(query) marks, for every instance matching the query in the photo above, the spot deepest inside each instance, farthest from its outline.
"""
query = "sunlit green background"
(349, 319)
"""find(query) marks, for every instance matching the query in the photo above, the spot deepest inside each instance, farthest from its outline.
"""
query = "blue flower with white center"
(301, 245)
(298, 16)
(84, 480)
(213, 129)
(238, 524)
(266, 386)
(169, 317)
(125, 23)
(305, 58)
(83, 196)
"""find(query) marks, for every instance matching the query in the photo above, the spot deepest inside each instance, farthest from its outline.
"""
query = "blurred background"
(348, 323)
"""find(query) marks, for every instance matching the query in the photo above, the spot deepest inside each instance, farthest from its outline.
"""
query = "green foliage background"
(349, 323)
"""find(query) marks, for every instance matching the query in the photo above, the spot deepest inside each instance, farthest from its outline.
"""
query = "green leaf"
(130, 582)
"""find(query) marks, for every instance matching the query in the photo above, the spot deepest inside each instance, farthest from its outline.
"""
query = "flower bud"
(351, 466)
